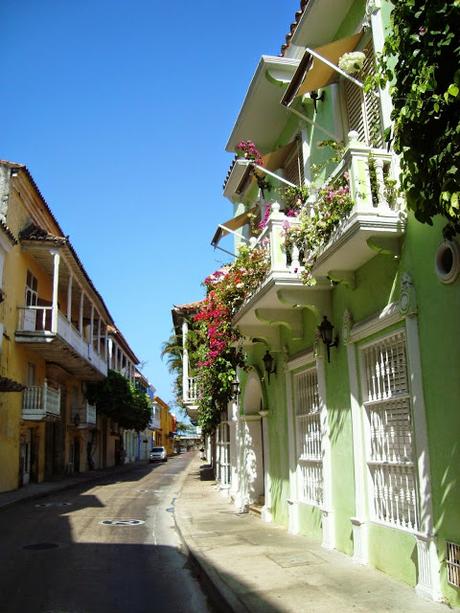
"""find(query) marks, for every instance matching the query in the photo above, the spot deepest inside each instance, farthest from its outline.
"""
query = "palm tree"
(172, 351)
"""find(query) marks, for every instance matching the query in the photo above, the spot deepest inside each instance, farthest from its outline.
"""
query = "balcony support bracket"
(385, 245)
(345, 277)
(290, 319)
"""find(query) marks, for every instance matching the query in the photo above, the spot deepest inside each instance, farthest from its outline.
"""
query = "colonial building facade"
(57, 336)
(346, 424)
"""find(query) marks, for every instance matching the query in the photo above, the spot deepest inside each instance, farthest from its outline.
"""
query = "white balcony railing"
(84, 416)
(192, 393)
(40, 401)
(283, 260)
(39, 319)
(375, 219)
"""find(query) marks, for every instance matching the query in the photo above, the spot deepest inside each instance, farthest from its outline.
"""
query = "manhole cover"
(41, 546)
(121, 522)
(47, 505)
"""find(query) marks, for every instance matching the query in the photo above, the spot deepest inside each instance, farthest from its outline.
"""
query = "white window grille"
(453, 564)
(308, 438)
(390, 452)
(363, 108)
(223, 450)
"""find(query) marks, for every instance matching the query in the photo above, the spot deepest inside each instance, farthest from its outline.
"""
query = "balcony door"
(31, 300)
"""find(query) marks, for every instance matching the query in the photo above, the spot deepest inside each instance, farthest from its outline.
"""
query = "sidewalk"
(259, 567)
(37, 490)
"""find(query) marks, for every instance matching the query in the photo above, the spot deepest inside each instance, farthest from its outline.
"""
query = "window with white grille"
(453, 564)
(390, 451)
(308, 437)
(363, 108)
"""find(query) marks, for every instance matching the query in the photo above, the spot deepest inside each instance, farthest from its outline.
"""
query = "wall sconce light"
(235, 385)
(325, 329)
(270, 365)
(316, 97)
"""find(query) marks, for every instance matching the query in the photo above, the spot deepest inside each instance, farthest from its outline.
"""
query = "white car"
(158, 454)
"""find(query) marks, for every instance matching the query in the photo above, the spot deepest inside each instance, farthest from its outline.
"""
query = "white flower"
(352, 62)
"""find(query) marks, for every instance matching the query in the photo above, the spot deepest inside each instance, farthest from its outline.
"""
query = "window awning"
(313, 73)
(231, 226)
(275, 159)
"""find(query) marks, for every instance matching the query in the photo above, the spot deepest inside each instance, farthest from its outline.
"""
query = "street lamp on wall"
(325, 329)
(235, 385)
(270, 365)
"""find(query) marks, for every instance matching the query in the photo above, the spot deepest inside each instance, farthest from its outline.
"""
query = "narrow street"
(58, 555)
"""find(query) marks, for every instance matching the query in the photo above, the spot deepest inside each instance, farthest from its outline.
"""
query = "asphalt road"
(57, 557)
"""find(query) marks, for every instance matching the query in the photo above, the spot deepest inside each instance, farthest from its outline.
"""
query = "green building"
(349, 434)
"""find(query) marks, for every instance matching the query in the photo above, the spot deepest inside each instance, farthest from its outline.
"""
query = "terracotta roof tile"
(8, 232)
(293, 26)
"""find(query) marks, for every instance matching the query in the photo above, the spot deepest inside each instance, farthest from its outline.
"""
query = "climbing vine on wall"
(420, 60)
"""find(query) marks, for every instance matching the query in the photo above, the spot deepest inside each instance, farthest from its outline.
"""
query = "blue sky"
(121, 110)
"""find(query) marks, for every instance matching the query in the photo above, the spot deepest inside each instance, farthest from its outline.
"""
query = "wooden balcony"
(49, 332)
(40, 402)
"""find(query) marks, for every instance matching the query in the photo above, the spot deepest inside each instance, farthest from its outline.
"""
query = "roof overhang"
(261, 106)
(314, 73)
(319, 23)
(9, 385)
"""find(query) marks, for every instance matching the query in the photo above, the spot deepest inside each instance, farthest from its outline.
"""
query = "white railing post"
(91, 328)
(99, 333)
(80, 315)
(277, 252)
(360, 183)
(69, 298)
(380, 180)
(54, 316)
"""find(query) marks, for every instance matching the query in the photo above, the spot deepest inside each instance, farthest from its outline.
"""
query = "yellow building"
(167, 426)
(54, 341)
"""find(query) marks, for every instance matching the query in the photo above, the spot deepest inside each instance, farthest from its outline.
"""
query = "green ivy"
(420, 60)
(121, 401)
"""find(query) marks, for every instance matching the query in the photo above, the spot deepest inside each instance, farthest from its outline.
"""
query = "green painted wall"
(394, 552)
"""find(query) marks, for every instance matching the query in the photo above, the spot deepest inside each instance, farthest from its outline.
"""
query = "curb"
(223, 598)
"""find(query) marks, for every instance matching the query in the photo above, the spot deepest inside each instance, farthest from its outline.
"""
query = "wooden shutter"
(293, 167)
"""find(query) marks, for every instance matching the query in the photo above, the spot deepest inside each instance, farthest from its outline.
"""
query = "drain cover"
(121, 522)
(41, 546)
(47, 505)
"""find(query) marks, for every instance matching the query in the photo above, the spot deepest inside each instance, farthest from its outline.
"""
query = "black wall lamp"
(270, 365)
(316, 97)
(325, 329)
(235, 385)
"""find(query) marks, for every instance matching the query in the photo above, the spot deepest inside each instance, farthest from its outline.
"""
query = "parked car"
(158, 454)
